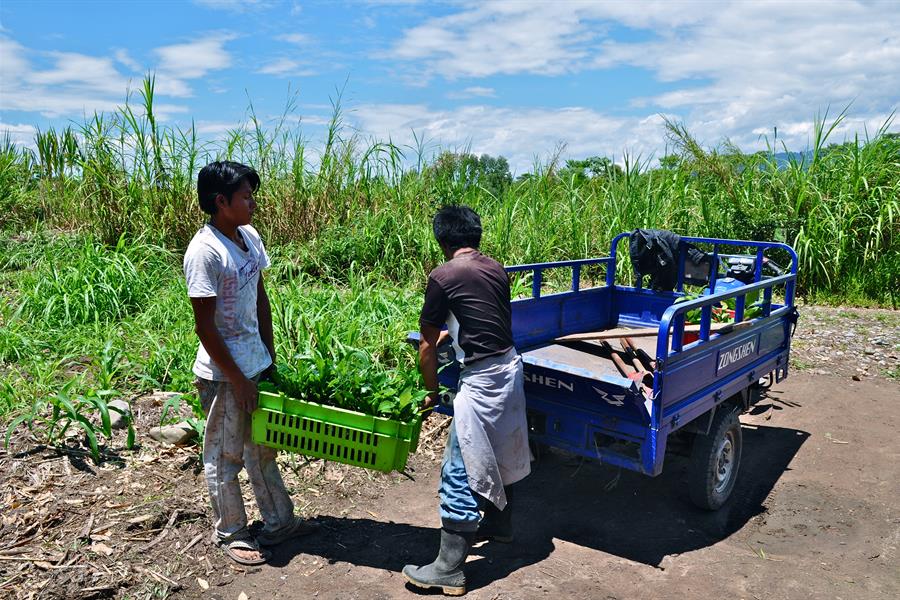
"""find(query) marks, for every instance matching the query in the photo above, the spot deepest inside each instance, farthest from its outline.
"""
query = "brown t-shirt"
(470, 293)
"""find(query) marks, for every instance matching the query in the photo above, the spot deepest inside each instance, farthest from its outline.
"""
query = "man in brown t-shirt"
(487, 450)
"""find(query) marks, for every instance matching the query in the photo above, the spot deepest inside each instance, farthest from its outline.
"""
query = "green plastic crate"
(332, 433)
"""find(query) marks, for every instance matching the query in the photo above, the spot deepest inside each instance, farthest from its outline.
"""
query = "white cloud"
(214, 128)
(480, 91)
(733, 67)
(217, 129)
(167, 112)
(315, 120)
(774, 64)
(474, 92)
(75, 84)
(286, 67)
(124, 58)
(167, 85)
(53, 105)
(497, 38)
(529, 36)
(516, 133)
(179, 63)
(193, 60)
(13, 63)
(295, 38)
(97, 75)
(20, 134)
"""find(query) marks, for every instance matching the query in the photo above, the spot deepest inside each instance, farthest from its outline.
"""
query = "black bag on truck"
(654, 252)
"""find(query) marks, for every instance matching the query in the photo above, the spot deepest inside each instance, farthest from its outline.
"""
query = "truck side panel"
(592, 432)
(632, 306)
(535, 320)
(710, 363)
(618, 400)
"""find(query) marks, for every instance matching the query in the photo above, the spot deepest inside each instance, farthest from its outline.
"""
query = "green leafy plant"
(347, 378)
(166, 360)
(50, 418)
(344, 346)
(108, 366)
(520, 285)
(97, 218)
(96, 284)
(722, 312)
(171, 413)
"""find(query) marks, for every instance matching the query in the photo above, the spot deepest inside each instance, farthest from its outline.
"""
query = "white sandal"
(229, 545)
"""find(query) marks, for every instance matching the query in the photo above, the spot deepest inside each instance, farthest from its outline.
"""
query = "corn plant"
(50, 418)
(171, 413)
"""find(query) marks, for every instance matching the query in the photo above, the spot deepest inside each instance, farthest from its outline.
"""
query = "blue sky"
(520, 79)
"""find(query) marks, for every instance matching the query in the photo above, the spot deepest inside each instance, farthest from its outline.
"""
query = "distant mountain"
(783, 159)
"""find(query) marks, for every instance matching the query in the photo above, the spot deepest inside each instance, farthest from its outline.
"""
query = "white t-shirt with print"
(215, 266)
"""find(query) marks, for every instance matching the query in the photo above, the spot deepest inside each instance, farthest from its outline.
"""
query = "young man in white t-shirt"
(223, 267)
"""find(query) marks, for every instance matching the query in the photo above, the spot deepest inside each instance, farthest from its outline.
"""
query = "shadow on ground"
(610, 510)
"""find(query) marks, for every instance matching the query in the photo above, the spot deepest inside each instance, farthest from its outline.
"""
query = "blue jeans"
(459, 507)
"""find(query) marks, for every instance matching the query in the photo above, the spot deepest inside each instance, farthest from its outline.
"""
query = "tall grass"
(96, 218)
(118, 318)
(357, 202)
(92, 285)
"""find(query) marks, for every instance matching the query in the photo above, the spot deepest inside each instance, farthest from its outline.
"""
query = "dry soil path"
(816, 514)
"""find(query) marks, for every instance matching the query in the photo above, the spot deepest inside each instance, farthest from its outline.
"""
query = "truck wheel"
(715, 460)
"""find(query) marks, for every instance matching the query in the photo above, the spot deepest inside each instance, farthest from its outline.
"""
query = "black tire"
(716, 460)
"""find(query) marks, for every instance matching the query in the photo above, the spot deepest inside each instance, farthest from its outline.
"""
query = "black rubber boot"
(446, 572)
(496, 525)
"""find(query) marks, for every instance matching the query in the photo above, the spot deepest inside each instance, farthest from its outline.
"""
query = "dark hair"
(457, 227)
(222, 177)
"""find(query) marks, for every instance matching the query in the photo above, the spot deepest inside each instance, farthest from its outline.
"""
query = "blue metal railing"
(673, 317)
(537, 270)
(706, 304)
(760, 247)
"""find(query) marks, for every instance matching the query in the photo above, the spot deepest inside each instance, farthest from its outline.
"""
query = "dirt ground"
(816, 512)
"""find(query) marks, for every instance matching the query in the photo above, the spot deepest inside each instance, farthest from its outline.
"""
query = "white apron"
(489, 414)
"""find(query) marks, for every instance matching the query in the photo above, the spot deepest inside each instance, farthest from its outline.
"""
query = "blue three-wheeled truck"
(614, 373)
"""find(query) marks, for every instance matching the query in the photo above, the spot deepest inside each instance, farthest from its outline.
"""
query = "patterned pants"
(227, 448)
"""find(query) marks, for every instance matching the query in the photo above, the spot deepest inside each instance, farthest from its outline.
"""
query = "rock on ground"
(119, 414)
(178, 434)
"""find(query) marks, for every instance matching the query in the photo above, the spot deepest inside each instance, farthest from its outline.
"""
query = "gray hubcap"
(725, 462)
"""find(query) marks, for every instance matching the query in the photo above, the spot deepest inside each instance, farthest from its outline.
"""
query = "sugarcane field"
(498, 300)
